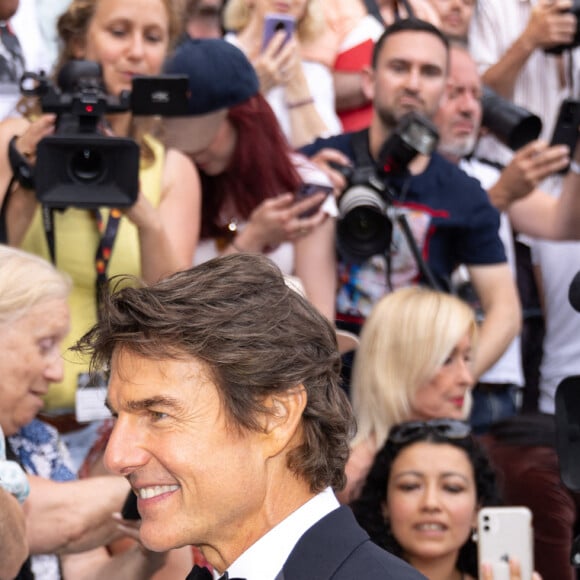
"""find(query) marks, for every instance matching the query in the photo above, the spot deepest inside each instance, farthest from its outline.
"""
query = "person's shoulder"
(369, 560)
(39, 432)
(450, 175)
(342, 142)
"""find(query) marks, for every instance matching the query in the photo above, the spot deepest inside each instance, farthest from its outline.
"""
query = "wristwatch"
(21, 168)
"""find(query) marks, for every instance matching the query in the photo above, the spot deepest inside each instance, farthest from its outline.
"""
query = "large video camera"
(364, 227)
(80, 165)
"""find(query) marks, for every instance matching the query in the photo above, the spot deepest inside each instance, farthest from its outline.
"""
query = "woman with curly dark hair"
(422, 494)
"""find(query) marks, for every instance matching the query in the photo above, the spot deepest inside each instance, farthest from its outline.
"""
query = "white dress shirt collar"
(266, 557)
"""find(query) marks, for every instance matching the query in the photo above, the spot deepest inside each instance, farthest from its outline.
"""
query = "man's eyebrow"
(145, 404)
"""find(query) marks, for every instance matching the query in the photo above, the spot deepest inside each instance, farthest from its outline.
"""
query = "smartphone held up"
(273, 23)
(505, 533)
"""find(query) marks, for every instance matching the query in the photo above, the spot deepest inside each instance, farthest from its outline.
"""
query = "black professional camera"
(513, 125)
(560, 48)
(79, 165)
(364, 227)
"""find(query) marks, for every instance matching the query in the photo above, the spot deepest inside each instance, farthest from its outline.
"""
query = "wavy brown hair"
(256, 336)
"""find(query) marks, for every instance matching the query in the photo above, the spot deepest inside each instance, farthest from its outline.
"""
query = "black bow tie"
(199, 573)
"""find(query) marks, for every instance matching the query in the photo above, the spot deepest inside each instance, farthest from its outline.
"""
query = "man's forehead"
(463, 70)
(415, 45)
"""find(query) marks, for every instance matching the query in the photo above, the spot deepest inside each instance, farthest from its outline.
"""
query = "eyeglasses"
(446, 428)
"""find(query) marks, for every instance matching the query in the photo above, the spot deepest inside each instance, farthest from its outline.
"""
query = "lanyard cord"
(108, 234)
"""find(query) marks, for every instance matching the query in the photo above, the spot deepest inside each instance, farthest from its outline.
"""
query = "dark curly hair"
(367, 508)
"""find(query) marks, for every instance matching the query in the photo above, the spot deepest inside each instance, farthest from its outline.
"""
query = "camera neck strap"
(108, 234)
(360, 148)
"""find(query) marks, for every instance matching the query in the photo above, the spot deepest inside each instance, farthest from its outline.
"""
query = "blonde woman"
(300, 92)
(413, 363)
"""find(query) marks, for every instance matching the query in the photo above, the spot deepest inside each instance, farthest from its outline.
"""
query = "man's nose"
(469, 103)
(413, 79)
(124, 453)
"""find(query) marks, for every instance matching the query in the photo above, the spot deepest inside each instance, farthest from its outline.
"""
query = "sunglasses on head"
(445, 428)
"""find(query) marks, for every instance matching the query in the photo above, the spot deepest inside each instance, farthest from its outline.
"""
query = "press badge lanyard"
(108, 234)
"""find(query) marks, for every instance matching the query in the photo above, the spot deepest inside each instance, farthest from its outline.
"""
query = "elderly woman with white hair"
(301, 92)
(413, 363)
(68, 521)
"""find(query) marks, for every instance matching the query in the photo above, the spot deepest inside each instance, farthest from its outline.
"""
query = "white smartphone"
(504, 533)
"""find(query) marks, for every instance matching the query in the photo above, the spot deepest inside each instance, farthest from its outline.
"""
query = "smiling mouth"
(155, 491)
(430, 527)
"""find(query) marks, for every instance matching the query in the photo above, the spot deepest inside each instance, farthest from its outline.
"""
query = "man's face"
(455, 16)
(459, 116)
(410, 75)
(198, 479)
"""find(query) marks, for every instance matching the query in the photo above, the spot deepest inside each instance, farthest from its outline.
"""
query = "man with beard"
(446, 215)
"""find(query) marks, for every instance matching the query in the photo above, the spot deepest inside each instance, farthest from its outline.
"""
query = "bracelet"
(574, 167)
(301, 103)
(21, 168)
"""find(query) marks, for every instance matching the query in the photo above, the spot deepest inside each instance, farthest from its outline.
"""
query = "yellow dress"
(77, 239)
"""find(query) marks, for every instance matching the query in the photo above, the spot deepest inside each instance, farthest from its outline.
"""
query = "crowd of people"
(301, 348)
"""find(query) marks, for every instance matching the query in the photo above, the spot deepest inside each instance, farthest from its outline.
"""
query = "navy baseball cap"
(220, 77)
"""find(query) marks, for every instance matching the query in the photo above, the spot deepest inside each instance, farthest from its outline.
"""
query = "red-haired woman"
(252, 182)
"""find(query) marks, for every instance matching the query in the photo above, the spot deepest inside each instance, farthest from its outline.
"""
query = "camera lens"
(87, 165)
(364, 229)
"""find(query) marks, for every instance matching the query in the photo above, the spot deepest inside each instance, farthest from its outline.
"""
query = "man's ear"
(368, 82)
(283, 418)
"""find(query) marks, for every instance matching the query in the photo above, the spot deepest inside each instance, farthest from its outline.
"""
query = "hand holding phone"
(505, 533)
(314, 181)
(567, 125)
(275, 22)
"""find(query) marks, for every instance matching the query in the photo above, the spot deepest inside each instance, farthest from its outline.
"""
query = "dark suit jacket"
(337, 548)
